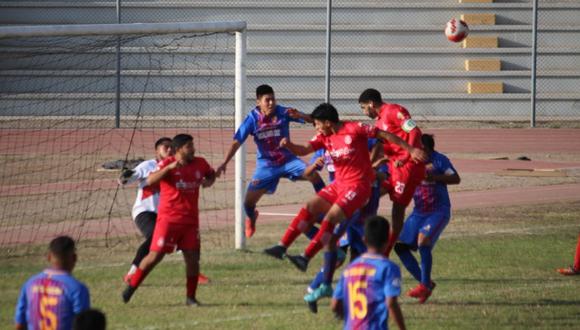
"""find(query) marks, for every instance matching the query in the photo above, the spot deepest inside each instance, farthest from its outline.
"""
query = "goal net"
(79, 103)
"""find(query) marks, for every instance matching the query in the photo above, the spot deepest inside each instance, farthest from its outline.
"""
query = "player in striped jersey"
(52, 298)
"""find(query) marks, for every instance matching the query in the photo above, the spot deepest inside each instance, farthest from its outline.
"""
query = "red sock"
(300, 224)
(191, 286)
(577, 255)
(317, 243)
(137, 278)
(392, 241)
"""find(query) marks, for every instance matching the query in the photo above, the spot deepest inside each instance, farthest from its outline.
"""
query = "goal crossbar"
(120, 29)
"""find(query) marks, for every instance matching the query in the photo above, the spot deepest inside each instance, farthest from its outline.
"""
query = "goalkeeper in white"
(144, 211)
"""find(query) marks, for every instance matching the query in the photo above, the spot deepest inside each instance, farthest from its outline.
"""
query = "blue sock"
(329, 266)
(312, 232)
(408, 261)
(318, 185)
(317, 279)
(426, 263)
(250, 211)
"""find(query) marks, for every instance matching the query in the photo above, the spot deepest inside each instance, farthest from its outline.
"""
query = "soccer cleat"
(251, 225)
(192, 302)
(324, 290)
(202, 279)
(276, 251)
(127, 278)
(313, 307)
(568, 271)
(128, 293)
(421, 292)
(301, 262)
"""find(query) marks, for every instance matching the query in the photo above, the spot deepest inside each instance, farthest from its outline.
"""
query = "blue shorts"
(429, 224)
(267, 177)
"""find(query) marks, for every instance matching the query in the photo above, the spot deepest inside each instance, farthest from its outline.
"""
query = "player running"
(51, 299)
(428, 220)
(405, 173)
(346, 143)
(370, 284)
(179, 178)
(269, 123)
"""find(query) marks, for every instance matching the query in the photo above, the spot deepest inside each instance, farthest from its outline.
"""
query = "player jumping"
(269, 123)
(347, 144)
(405, 173)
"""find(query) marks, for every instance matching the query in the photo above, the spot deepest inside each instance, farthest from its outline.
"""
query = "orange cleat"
(202, 279)
(251, 225)
(421, 292)
(568, 271)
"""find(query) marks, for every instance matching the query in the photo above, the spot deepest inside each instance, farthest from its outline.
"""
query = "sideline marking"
(278, 214)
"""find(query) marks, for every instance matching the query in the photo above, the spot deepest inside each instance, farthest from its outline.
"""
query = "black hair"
(428, 141)
(370, 95)
(161, 141)
(325, 111)
(376, 231)
(90, 319)
(62, 246)
(180, 140)
(263, 90)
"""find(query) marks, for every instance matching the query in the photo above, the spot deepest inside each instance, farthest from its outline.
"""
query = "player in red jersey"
(405, 173)
(347, 144)
(179, 178)
(575, 268)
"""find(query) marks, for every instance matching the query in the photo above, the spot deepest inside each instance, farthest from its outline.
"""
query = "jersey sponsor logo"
(269, 133)
(348, 139)
(186, 185)
(408, 125)
(338, 153)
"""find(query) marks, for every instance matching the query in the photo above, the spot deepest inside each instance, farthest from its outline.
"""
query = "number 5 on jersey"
(357, 299)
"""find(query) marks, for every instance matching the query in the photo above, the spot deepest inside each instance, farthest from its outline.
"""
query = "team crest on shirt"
(348, 139)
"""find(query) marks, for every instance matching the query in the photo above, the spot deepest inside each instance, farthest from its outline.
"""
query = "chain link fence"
(395, 46)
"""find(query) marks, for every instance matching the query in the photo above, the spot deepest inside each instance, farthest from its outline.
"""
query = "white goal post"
(237, 27)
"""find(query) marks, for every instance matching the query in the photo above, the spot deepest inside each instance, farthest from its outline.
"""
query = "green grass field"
(494, 269)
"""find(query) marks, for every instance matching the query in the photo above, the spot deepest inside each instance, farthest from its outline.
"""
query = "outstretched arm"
(416, 154)
(296, 149)
(233, 148)
(295, 114)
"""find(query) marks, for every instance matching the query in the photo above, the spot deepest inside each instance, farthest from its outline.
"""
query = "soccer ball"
(456, 30)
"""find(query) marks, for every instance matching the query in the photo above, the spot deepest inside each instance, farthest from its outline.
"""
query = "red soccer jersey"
(349, 151)
(395, 119)
(180, 191)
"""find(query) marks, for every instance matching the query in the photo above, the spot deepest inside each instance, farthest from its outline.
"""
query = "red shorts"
(402, 181)
(168, 236)
(350, 198)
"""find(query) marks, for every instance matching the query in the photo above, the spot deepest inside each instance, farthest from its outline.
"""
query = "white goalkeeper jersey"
(147, 196)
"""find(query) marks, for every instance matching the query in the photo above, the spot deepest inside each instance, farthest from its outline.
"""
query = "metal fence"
(395, 46)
